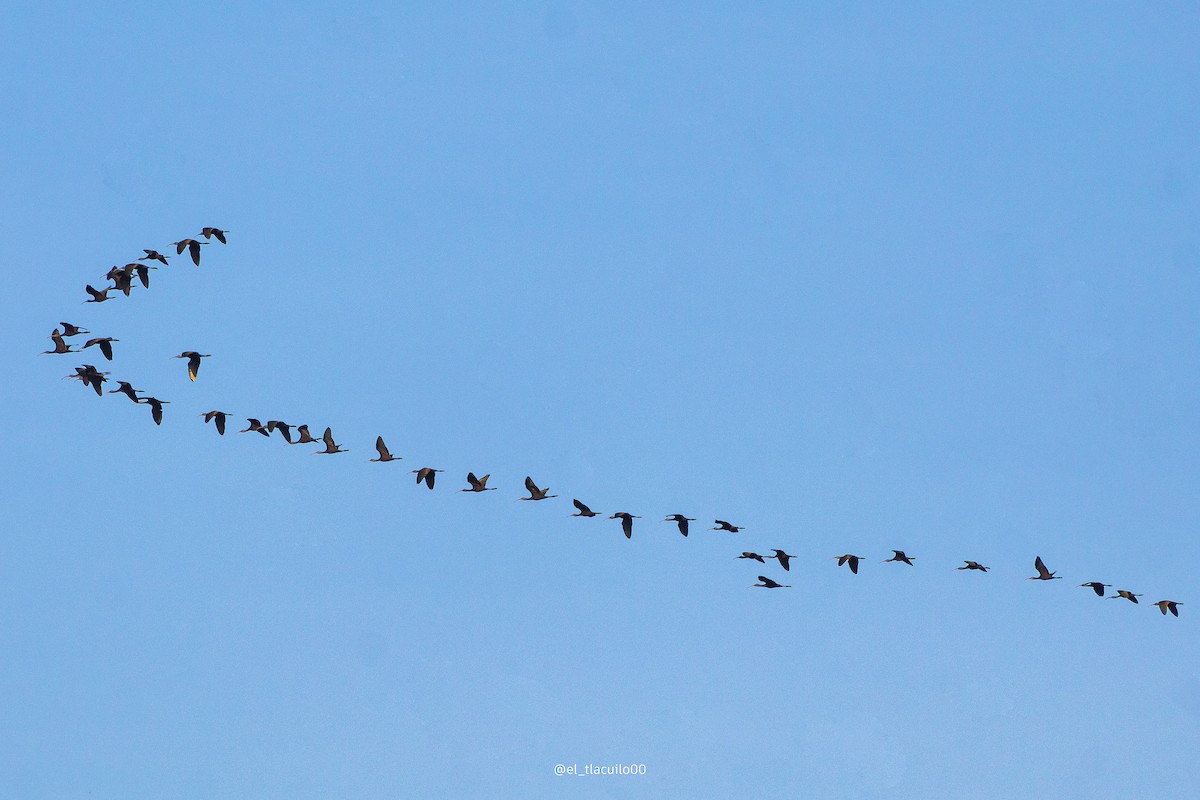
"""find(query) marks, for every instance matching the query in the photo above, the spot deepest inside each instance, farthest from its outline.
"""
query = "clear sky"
(855, 276)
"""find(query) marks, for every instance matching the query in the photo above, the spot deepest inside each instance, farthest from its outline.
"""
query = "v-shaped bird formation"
(123, 283)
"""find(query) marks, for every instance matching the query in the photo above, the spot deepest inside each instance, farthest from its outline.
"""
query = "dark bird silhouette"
(122, 279)
(105, 344)
(783, 559)
(973, 565)
(754, 556)
(88, 375)
(305, 436)
(331, 447)
(284, 429)
(384, 454)
(900, 556)
(193, 361)
(208, 233)
(767, 583)
(255, 426)
(143, 273)
(1126, 594)
(192, 246)
(626, 522)
(478, 484)
(722, 525)
(98, 297)
(1168, 605)
(60, 345)
(584, 511)
(427, 474)
(534, 492)
(125, 388)
(153, 255)
(681, 521)
(219, 416)
(1043, 574)
(849, 559)
(155, 407)
(71, 330)
(1097, 587)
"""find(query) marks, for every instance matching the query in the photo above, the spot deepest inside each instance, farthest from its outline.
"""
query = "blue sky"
(855, 277)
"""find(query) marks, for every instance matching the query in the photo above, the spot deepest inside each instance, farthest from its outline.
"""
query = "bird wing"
(471, 479)
(530, 485)
(582, 508)
(328, 438)
(382, 448)
(1040, 566)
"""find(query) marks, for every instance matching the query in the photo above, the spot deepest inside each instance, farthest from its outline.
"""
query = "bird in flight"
(155, 407)
(783, 559)
(88, 375)
(754, 556)
(331, 446)
(98, 296)
(426, 474)
(219, 416)
(1168, 605)
(125, 388)
(105, 344)
(973, 565)
(899, 556)
(60, 345)
(626, 522)
(193, 361)
(681, 521)
(384, 454)
(478, 484)
(305, 436)
(849, 559)
(153, 255)
(192, 246)
(71, 330)
(208, 233)
(255, 427)
(1126, 594)
(1096, 586)
(584, 511)
(1043, 574)
(284, 429)
(767, 583)
(722, 525)
(534, 492)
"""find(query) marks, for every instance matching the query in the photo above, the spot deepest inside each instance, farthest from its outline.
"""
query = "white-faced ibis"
(681, 521)
(478, 484)
(193, 361)
(426, 474)
(1168, 605)
(973, 565)
(584, 511)
(71, 330)
(219, 416)
(153, 255)
(125, 388)
(626, 522)
(255, 427)
(1096, 586)
(722, 525)
(534, 492)
(753, 556)
(331, 447)
(898, 555)
(208, 233)
(88, 375)
(97, 296)
(767, 583)
(1126, 595)
(155, 407)
(60, 345)
(284, 429)
(192, 246)
(305, 436)
(783, 558)
(104, 343)
(849, 559)
(122, 279)
(1043, 574)
(384, 454)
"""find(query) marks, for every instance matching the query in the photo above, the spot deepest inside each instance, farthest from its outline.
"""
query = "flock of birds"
(122, 279)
